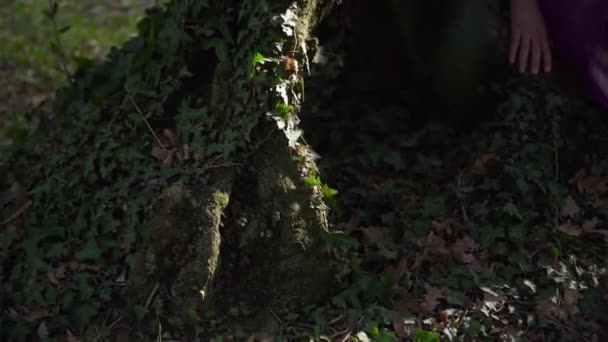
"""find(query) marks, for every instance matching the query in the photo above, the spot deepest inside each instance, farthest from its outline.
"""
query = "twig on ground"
(144, 118)
(275, 316)
(152, 294)
(568, 329)
(17, 213)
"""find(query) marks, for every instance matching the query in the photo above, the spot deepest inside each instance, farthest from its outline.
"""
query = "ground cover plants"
(487, 231)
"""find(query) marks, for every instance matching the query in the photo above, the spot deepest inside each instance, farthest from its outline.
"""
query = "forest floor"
(29, 68)
(494, 231)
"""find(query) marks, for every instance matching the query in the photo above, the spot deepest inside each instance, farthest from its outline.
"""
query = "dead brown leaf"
(590, 185)
(463, 247)
(589, 225)
(602, 232)
(464, 250)
(571, 298)
(493, 299)
(398, 270)
(570, 229)
(123, 244)
(32, 315)
(78, 266)
(22, 205)
(163, 156)
(431, 299)
(171, 139)
(374, 234)
(353, 224)
(58, 273)
(480, 165)
(71, 338)
(19, 194)
(436, 242)
(402, 329)
(406, 304)
(570, 208)
(43, 331)
(432, 242)
(13, 314)
(549, 308)
(441, 227)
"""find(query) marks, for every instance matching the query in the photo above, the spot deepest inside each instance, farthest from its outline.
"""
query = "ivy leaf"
(329, 192)
(434, 206)
(593, 305)
(90, 251)
(65, 29)
(258, 58)
(394, 159)
(426, 336)
(511, 209)
(84, 313)
(140, 312)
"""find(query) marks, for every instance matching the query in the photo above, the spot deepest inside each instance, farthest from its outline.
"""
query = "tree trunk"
(187, 135)
(251, 236)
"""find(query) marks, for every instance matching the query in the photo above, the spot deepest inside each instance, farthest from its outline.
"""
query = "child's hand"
(529, 40)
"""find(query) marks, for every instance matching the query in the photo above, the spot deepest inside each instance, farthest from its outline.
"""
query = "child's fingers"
(536, 57)
(546, 55)
(524, 53)
(515, 40)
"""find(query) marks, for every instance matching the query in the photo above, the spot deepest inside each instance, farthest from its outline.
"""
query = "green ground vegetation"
(492, 231)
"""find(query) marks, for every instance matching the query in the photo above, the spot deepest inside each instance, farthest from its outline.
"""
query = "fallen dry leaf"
(431, 242)
(401, 327)
(163, 156)
(589, 225)
(22, 205)
(441, 227)
(406, 304)
(71, 338)
(463, 247)
(493, 299)
(13, 314)
(19, 195)
(170, 138)
(123, 244)
(57, 274)
(32, 315)
(602, 232)
(480, 165)
(464, 250)
(374, 234)
(547, 307)
(435, 241)
(571, 298)
(570, 208)
(398, 270)
(570, 229)
(353, 224)
(431, 299)
(43, 331)
(77, 266)
(589, 185)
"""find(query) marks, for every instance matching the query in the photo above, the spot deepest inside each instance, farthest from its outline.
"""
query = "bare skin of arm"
(529, 47)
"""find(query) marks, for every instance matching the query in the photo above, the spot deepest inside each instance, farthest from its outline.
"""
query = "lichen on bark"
(179, 254)
(278, 232)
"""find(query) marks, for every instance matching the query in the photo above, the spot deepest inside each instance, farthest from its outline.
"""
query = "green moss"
(182, 248)
(278, 234)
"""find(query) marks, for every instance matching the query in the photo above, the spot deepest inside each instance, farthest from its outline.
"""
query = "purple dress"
(579, 31)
